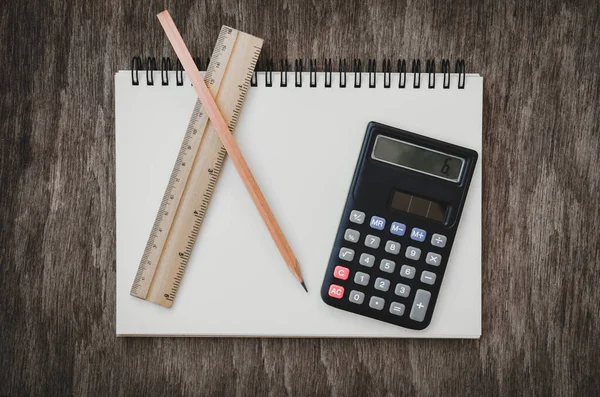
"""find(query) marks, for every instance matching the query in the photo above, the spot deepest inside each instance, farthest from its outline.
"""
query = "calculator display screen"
(417, 158)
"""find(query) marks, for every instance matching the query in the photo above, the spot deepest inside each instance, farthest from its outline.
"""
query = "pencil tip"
(304, 286)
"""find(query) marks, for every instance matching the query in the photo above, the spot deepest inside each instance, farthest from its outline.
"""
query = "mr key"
(398, 226)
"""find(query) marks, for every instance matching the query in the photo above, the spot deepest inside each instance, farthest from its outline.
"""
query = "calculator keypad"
(428, 277)
(387, 266)
(408, 272)
(433, 259)
(357, 217)
(418, 234)
(372, 241)
(401, 285)
(438, 240)
(346, 254)
(361, 278)
(376, 303)
(382, 284)
(356, 297)
(341, 272)
(352, 235)
(397, 308)
(413, 253)
(392, 247)
(367, 260)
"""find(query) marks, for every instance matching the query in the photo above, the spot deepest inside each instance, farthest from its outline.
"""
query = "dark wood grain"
(541, 283)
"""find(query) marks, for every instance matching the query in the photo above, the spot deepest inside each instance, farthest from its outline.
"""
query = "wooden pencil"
(229, 142)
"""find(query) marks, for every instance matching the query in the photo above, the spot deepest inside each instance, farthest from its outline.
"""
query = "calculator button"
(428, 278)
(372, 241)
(346, 254)
(377, 223)
(341, 272)
(376, 303)
(392, 247)
(335, 291)
(387, 266)
(433, 259)
(366, 260)
(357, 217)
(418, 234)
(397, 308)
(382, 284)
(419, 307)
(407, 271)
(413, 253)
(402, 290)
(398, 228)
(361, 278)
(356, 297)
(351, 235)
(438, 240)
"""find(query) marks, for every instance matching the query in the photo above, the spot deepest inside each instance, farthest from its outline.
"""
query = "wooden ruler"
(196, 170)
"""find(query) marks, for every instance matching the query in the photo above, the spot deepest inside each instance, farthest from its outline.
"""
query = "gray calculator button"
(382, 284)
(393, 247)
(376, 303)
(413, 253)
(397, 308)
(357, 217)
(361, 278)
(346, 254)
(372, 241)
(428, 278)
(433, 259)
(419, 307)
(366, 260)
(352, 235)
(402, 290)
(387, 266)
(407, 271)
(438, 240)
(356, 297)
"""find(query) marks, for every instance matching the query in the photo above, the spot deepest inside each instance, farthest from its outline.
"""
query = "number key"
(372, 241)
(407, 271)
(382, 284)
(387, 266)
(392, 247)
(361, 278)
(402, 290)
(366, 260)
(356, 297)
(413, 253)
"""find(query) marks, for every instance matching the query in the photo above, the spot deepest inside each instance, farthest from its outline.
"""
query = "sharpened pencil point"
(304, 286)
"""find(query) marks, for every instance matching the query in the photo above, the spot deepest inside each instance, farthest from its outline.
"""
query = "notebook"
(301, 143)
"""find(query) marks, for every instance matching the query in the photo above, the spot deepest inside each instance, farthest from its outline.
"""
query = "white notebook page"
(301, 144)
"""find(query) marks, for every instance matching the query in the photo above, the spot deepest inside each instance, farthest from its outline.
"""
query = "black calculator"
(398, 226)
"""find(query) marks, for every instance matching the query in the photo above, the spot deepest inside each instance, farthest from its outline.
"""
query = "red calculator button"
(335, 291)
(341, 272)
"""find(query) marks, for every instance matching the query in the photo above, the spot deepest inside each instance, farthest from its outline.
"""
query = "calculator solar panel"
(398, 226)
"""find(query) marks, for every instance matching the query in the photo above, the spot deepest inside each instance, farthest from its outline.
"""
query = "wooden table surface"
(541, 214)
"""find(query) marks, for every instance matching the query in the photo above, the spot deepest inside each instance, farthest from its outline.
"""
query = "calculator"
(398, 226)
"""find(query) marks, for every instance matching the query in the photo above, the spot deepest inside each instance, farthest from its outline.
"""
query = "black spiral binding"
(150, 66)
(416, 70)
